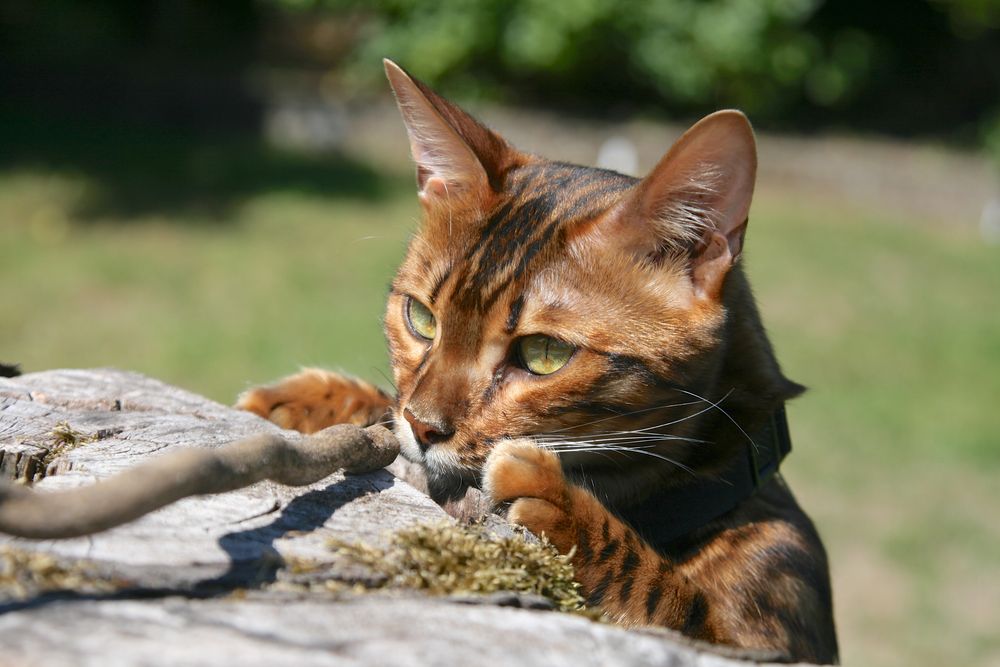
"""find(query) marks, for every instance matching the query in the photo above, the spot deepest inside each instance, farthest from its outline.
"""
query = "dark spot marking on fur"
(627, 573)
(697, 614)
(626, 590)
(629, 563)
(606, 530)
(609, 550)
(583, 543)
(620, 365)
(597, 595)
(653, 596)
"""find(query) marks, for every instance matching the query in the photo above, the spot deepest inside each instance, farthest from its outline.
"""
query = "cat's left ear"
(696, 200)
(457, 157)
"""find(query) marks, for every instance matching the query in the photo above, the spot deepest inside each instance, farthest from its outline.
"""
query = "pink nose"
(427, 432)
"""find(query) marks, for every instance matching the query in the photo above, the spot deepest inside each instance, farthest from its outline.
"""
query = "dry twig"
(196, 471)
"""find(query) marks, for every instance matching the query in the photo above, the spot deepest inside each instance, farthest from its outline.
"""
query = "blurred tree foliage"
(684, 52)
(905, 66)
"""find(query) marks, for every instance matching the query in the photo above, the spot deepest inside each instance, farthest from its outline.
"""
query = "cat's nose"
(427, 432)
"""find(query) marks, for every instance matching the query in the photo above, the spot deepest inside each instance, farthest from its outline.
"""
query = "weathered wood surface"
(196, 539)
(186, 566)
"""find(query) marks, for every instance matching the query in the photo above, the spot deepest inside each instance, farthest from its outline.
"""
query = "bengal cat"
(584, 347)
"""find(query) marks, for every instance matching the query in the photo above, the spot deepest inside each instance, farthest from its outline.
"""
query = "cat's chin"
(446, 481)
(449, 486)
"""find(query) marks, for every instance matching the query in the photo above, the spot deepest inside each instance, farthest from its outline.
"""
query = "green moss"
(448, 558)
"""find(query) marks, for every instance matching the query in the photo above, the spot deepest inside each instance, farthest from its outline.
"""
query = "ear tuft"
(704, 183)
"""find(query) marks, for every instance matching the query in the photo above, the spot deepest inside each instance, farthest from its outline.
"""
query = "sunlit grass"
(293, 280)
(895, 327)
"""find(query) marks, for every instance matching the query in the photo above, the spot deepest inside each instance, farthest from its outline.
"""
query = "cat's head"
(573, 304)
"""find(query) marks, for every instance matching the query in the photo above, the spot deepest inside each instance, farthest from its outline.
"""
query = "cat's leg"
(725, 593)
(617, 571)
(313, 399)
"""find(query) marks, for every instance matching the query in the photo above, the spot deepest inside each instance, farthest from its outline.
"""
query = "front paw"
(532, 481)
(313, 399)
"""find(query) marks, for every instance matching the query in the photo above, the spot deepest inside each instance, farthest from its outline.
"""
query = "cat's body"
(581, 344)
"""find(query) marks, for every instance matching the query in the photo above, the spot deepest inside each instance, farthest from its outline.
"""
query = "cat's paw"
(313, 399)
(532, 481)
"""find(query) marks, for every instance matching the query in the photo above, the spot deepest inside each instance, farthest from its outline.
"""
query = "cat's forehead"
(571, 190)
(541, 204)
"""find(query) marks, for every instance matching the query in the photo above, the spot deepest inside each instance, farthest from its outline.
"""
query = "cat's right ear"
(457, 158)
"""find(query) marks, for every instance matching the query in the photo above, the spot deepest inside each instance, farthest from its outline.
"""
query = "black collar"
(670, 514)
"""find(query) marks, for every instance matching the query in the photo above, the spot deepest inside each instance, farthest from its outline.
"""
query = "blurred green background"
(217, 193)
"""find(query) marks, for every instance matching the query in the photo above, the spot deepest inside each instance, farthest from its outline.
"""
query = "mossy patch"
(64, 439)
(452, 559)
(25, 574)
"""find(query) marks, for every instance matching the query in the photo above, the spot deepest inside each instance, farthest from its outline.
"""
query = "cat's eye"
(421, 319)
(543, 355)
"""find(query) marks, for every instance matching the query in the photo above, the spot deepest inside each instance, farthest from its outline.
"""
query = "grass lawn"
(217, 266)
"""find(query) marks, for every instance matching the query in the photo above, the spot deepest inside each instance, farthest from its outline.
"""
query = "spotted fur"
(672, 370)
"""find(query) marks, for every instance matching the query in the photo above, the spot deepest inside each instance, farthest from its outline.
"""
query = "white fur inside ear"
(686, 210)
(703, 184)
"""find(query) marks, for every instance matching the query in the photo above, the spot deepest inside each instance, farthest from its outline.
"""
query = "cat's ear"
(456, 156)
(696, 200)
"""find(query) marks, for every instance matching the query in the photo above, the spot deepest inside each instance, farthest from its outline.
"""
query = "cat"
(584, 347)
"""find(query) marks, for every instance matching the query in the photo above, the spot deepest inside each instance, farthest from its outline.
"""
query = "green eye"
(421, 319)
(543, 355)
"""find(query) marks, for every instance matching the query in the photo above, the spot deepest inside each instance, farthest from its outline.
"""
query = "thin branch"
(189, 472)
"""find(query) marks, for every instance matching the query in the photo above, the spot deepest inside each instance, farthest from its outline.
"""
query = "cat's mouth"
(448, 485)
(447, 479)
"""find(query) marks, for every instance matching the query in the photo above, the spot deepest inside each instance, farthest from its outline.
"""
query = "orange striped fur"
(671, 365)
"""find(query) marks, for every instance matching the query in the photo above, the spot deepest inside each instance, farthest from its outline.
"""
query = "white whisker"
(623, 437)
(599, 449)
(719, 408)
(626, 414)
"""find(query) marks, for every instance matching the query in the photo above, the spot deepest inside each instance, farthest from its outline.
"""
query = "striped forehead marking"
(544, 198)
